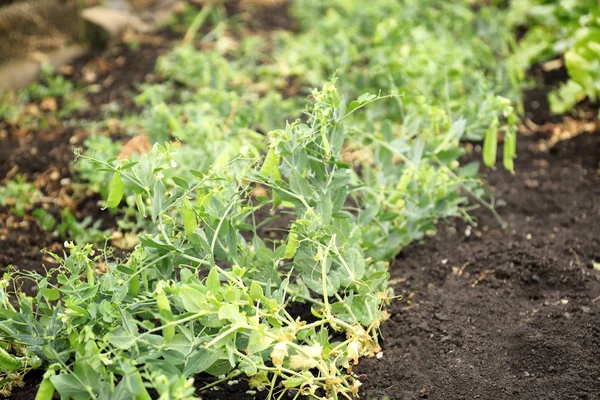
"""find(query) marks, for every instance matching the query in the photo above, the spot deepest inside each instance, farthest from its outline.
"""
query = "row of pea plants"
(207, 293)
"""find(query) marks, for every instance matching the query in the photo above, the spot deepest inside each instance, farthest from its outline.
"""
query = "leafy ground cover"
(264, 246)
(564, 35)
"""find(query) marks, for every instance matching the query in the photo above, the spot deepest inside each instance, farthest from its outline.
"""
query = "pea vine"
(207, 293)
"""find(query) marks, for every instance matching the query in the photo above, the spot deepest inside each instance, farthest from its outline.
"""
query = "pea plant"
(569, 30)
(208, 294)
(213, 289)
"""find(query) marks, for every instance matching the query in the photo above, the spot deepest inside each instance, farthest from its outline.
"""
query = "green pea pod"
(164, 309)
(8, 362)
(490, 145)
(270, 168)
(189, 219)
(90, 275)
(139, 202)
(144, 393)
(115, 191)
(133, 288)
(292, 244)
(510, 149)
(46, 388)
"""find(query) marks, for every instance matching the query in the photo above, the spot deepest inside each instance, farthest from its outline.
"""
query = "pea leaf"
(231, 312)
(212, 281)
(193, 300)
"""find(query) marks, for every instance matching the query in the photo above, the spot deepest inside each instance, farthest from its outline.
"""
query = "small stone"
(532, 183)
(89, 76)
(543, 164)
(49, 104)
(66, 70)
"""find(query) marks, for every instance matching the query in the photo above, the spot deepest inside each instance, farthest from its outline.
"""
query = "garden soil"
(503, 314)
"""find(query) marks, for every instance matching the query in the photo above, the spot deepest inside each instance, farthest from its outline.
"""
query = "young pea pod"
(133, 288)
(510, 149)
(189, 219)
(90, 275)
(270, 168)
(9, 362)
(292, 244)
(116, 190)
(164, 309)
(139, 202)
(46, 388)
(490, 144)
(143, 395)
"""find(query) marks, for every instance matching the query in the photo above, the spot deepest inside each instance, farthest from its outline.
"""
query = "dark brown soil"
(118, 73)
(508, 314)
(45, 156)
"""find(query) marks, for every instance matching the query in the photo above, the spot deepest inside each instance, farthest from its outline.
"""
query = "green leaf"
(155, 243)
(219, 367)
(121, 338)
(181, 182)
(300, 185)
(201, 239)
(69, 387)
(213, 283)
(196, 173)
(160, 195)
(200, 361)
(248, 368)
(469, 171)
(258, 340)
(51, 294)
(193, 300)
(367, 215)
(231, 312)
(256, 291)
